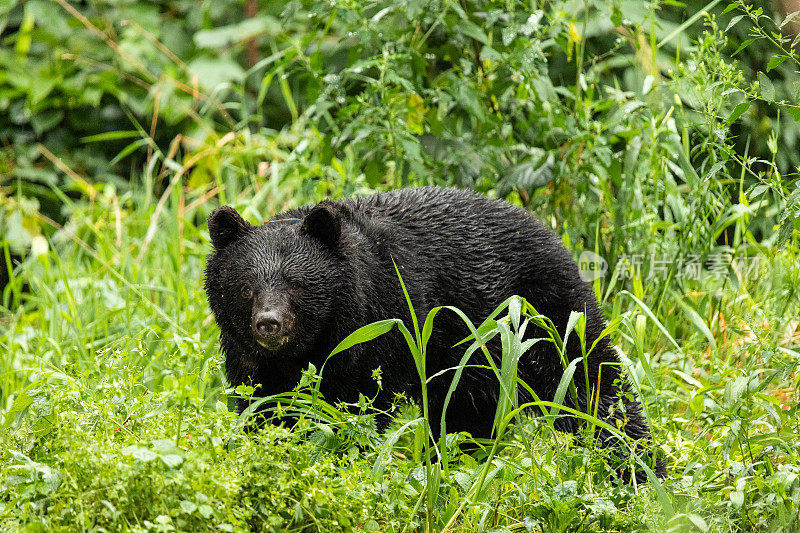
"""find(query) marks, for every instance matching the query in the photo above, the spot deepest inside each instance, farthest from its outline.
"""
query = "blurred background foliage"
(614, 117)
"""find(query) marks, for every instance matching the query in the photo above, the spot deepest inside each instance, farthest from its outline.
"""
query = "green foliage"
(116, 416)
(340, 97)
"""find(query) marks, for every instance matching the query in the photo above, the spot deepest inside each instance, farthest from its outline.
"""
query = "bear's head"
(272, 288)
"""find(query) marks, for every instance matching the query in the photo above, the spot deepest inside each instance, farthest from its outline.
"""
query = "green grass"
(114, 411)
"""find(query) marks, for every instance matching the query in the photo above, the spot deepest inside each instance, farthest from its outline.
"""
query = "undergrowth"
(117, 415)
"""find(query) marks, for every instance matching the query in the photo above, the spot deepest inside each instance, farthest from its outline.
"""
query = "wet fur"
(453, 247)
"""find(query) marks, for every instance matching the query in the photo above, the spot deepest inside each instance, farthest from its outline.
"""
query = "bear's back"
(465, 249)
(439, 206)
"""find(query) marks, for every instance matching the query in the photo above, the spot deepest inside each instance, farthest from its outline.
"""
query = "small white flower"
(39, 246)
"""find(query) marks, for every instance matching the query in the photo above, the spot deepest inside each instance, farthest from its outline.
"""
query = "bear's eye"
(247, 293)
(294, 283)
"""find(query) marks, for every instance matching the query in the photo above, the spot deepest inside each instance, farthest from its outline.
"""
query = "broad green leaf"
(788, 18)
(785, 232)
(574, 317)
(40, 88)
(698, 521)
(738, 111)
(733, 22)
(775, 61)
(470, 29)
(365, 334)
(427, 327)
(172, 460)
(46, 120)
(794, 111)
(138, 452)
(212, 72)
(737, 498)
(734, 389)
(527, 176)
(514, 311)
(765, 86)
(745, 44)
(563, 385)
(730, 7)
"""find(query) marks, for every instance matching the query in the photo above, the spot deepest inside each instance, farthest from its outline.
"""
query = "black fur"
(324, 271)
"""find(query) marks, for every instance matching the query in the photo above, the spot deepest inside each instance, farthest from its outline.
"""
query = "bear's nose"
(267, 323)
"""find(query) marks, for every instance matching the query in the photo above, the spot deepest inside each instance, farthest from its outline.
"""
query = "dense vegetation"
(662, 136)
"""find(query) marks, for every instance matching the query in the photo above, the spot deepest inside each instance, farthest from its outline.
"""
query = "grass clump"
(116, 415)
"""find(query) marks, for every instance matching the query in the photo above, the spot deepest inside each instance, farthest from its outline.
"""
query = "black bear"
(285, 293)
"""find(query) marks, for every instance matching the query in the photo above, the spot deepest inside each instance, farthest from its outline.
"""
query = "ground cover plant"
(660, 136)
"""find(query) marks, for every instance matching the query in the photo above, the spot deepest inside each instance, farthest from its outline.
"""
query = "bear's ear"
(225, 226)
(324, 223)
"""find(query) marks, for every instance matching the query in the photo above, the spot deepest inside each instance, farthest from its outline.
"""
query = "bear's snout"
(267, 323)
(271, 326)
